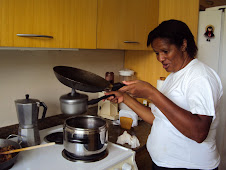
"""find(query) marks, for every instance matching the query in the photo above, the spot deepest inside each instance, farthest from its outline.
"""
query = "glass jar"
(126, 75)
(109, 76)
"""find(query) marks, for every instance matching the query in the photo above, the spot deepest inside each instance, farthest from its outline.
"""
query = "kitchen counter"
(141, 132)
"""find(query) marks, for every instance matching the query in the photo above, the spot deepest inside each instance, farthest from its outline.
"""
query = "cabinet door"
(144, 63)
(71, 23)
(125, 24)
(184, 10)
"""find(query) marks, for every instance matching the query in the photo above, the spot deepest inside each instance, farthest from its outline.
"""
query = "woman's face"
(171, 57)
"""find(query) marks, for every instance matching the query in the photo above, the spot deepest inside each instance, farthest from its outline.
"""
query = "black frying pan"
(83, 80)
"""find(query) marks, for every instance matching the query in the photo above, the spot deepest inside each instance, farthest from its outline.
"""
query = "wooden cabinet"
(125, 24)
(71, 23)
(89, 24)
(144, 63)
(184, 10)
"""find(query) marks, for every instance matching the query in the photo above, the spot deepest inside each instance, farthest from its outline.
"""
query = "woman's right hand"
(119, 96)
(122, 96)
(138, 89)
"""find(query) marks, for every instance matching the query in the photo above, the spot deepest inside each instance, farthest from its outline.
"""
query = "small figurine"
(209, 32)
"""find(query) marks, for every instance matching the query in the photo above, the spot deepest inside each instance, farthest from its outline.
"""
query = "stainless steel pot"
(85, 135)
(76, 103)
(73, 104)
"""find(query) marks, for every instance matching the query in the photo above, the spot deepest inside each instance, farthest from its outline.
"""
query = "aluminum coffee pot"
(27, 113)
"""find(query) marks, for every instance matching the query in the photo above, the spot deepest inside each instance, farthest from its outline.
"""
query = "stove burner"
(92, 158)
(56, 137)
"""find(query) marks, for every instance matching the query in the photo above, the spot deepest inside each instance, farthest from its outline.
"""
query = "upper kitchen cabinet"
(125, 24)
(65, 23)
(184, 10)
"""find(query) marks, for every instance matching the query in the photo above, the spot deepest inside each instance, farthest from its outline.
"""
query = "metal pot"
(85, 135)
(73, 104)
(8, 164)
(76, 103)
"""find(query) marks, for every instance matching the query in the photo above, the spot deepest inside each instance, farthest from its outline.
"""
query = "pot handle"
(80, 141)
(20, 138)
(45, 109)
(94, 101)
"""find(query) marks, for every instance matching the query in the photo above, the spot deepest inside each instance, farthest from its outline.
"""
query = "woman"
(184, 113)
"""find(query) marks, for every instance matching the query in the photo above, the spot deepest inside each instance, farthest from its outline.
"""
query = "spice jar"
(109, 76)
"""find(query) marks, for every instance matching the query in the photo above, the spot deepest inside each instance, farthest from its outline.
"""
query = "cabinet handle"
(131, 42)
(34, 35)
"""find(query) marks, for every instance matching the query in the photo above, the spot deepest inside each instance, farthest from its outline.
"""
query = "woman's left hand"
(138, 89)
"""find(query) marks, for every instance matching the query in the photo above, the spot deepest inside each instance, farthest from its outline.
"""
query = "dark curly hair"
(175, 31)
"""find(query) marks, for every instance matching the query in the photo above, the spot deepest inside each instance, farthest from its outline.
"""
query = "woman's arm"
(195, 127)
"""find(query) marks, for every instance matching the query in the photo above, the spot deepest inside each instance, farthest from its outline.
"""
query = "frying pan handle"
(117, 86)
(94, 101)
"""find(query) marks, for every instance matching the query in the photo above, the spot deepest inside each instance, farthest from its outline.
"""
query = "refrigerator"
(211, 44)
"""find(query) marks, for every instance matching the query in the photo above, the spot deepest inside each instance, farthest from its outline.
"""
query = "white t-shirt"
(198, 89)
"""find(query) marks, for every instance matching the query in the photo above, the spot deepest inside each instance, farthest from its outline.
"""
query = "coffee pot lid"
(26, 100)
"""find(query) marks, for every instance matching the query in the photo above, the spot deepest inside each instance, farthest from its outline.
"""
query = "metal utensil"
(76, 103)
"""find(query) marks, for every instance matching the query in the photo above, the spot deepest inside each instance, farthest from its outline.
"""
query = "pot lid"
(26, 100)
(73, 98)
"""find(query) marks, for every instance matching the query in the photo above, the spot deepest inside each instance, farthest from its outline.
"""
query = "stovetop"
(51, 157)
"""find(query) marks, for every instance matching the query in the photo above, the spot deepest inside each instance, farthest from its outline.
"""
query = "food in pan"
(6, 157)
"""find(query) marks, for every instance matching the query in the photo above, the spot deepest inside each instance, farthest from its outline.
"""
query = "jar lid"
(126, 72)
(26, 100)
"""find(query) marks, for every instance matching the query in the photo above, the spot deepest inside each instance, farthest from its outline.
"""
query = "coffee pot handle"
(45, 109)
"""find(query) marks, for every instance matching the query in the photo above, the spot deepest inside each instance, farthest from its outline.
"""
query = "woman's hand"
(119, 96)
(138, 89)
(143, 111)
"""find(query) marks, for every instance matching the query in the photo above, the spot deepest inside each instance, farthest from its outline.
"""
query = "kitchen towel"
(127, 138)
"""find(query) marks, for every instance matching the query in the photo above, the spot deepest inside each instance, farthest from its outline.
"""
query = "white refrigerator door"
(213, 53)
(209, 51)
(221, 136)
